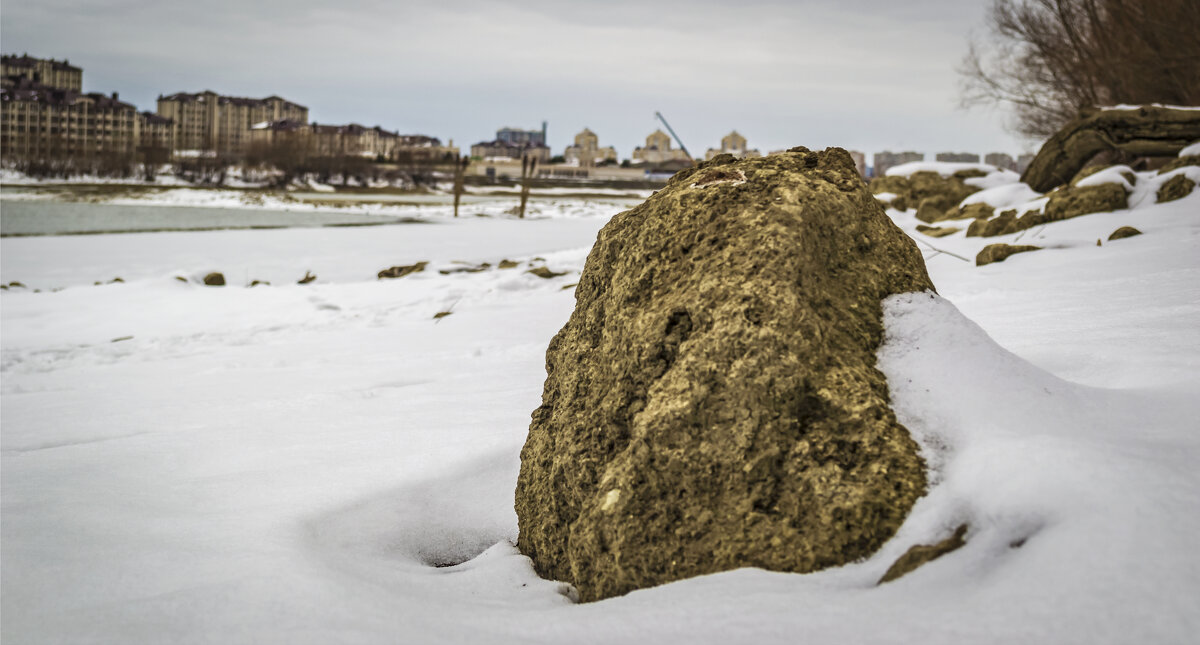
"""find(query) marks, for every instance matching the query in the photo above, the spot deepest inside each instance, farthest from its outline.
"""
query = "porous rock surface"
(1000, 252)
(713, 402)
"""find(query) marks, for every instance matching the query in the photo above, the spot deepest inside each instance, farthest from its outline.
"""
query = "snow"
(1004, 196)
(943, 168)
(1126, 106)
(1191, 150)
(297, 463)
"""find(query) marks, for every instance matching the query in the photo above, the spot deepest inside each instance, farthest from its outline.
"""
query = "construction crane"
(676, 136)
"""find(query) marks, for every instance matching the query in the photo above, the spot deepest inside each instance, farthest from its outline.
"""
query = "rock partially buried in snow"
(1123, 232)
(1074, 201)
(999, 252)
(402, 270)
(1176, 187)
(713, 402)
(214, 279)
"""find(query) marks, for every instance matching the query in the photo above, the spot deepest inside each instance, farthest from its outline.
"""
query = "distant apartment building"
(733, 144)
(860, 162)
(43, 121)
(59, 75)
(959, 157)
(522, 137)
(498, 149)
(1023, 161)
(212, 122)
(355, 140)
(658, 150)
(587, 151)
(888, 159)
(1000, 160)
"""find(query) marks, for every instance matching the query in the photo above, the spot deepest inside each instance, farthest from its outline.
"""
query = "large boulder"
(713, 402)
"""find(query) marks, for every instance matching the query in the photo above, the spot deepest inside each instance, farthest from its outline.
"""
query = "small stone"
(543, 272)
(921, 554)
(441, 314)
(308, 277)
(214, 279)
(508, 264)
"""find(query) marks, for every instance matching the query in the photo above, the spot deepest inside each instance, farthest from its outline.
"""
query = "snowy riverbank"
(297, 463)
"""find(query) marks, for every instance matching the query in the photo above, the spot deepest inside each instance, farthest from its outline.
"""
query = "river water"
(50, 217)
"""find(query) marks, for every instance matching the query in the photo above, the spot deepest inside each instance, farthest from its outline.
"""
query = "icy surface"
(329, 463)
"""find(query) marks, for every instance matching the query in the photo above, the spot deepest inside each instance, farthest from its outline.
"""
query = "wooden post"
(460, 169)
(528, 168)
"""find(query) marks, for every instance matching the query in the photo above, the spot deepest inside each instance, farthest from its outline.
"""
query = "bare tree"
(1048, 59)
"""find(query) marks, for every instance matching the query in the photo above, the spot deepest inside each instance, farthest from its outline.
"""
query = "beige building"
(587, 152)
(59, 75)
(658, 150)
(209, 121)
(860, 162)
(733, 144)
(37, 122)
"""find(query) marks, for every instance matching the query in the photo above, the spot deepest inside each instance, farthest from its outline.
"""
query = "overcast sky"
(862, 74)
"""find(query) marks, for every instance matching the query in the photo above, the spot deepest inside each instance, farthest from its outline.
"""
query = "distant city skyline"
(868, 75)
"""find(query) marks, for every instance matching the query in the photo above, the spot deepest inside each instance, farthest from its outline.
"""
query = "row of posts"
(528, 171)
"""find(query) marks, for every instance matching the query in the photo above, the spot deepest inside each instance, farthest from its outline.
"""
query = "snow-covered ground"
(299, 463)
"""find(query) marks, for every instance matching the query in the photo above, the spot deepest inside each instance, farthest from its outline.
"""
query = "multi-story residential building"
(860, 162)
(59, 75)
(156, 136)
(1024, 160)
(209, 121)
(587, 151)
(658, 150)
(960, 157)
(1000, 160)
(733, 144)
(522, 137)
(40, 122)
(888, 159)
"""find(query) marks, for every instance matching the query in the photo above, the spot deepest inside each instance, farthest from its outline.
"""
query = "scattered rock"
(1066, 203)
(467, 269)
(441, 314)
(17, 285)
(1179, 162)
(569, 286)
(1175, 188)
(116, 280)
(508, 264)
(1123, 232)
(543, 272)
(998, 252)
(900, 203)
(255, 283)
(921, 554)
(181, 278)
(938, 231)
(713, 401)
(121, 339)
(214, 279)
(403, 270)
(308, 277)
(935, 209)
